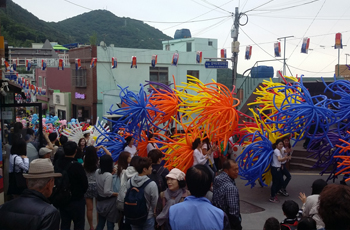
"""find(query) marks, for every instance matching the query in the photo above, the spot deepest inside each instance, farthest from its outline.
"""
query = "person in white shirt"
(198, 156)
(151, 145)
(276, 172)
(287, 151)
(208, 150)
(130, 147)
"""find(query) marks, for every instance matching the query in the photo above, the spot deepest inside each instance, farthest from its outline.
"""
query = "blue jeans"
(101, 223)
(74, 211)
(277, 180)
(148, 225)
(286, 173)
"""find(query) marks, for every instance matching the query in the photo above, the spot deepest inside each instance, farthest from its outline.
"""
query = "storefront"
(62, 103)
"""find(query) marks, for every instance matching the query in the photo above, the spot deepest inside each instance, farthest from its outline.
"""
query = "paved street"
(301, 182)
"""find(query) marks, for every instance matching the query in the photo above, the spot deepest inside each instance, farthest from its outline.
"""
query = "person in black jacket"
(75, 210)
(32, 209)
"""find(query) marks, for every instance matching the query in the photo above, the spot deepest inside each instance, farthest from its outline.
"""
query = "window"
(167, 47)
(79, 77)
(188, 47)
(194, 73)
(40, 81)
(159, 74)
(210, 43)
(44, 81)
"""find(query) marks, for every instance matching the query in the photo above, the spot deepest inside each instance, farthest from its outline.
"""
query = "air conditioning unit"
(58, 99)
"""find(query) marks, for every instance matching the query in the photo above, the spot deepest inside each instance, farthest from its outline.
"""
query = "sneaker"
(283, 192)
(274, 200)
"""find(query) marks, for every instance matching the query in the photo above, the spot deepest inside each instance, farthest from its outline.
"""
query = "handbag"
(17, 183)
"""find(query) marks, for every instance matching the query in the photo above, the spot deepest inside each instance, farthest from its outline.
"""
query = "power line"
(209, 27)
(78, 5)
(202, 20)
(308, 27)
(194, 17)
(218, 7)
(288, 7)
(259, 6)
(298, 18)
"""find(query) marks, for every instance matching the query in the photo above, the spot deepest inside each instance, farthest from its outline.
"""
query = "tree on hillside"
(93, 39)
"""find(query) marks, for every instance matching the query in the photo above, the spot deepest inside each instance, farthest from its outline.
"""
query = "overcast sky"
(267, 20)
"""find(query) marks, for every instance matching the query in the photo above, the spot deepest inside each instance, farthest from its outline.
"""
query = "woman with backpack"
(18, 164)
(125, 175)
(106, 199)
(90, 166)
(175, 193)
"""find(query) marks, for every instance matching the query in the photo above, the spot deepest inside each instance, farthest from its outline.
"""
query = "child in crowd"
(290, 210)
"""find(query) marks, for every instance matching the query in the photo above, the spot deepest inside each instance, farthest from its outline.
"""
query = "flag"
(14, 64)
(60, 64)
(248, 52)
(175, 59)
(154, 60)
(43, 64)
(77, 63)
(7, 67)
(199, 57)
(28, 64)
(133, 62)
(277, 46)
(114, 62)
(305, 45)
(93, 62)
(338, 41)
(223, 54)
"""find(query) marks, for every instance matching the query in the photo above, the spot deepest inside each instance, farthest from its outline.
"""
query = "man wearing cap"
(32, 209)
(45, 152)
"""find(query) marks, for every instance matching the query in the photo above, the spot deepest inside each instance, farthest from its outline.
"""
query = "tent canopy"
(59, 47)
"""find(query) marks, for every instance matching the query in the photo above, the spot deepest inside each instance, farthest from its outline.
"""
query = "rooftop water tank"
(262, 72)
(183, 33)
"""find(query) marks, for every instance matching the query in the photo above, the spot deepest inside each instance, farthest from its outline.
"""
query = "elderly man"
(32, 209)
(225, 193)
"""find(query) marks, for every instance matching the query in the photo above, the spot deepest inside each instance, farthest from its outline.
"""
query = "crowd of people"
(63, 181)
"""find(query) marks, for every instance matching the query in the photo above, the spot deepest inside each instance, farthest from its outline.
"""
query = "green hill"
(21, 28)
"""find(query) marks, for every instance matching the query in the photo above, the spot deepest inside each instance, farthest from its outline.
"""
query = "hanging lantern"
(199, 57)
(133, 62)
(338, 41)
(43, 64)
(93, 62)
(14, 64)
(28, 64)
(175, 59)
(7, 66)
(154, 60)
(77, 63)
(248, 52)
(305, 45)
(114, 62)
(43, 91)
(277, 47)
(223, 54)
(60, 64)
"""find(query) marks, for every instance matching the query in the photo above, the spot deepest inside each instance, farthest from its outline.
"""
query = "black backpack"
(293, 226)
(135, 204)
(61, 193)
(156, 176)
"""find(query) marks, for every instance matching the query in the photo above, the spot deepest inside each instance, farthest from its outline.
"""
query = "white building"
(123, 75)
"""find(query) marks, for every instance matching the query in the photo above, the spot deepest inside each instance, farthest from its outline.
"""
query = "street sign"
(216, 64)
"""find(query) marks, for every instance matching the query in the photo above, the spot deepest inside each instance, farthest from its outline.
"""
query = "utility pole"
(284, 53)
(235, 46)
